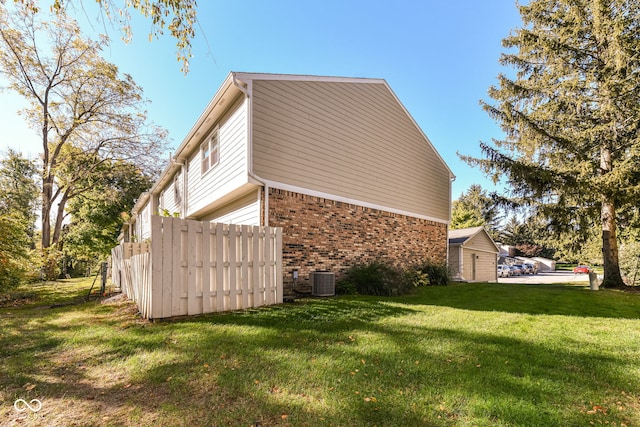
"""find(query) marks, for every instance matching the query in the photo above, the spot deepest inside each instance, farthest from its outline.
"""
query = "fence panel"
(199, 267)
(120, 262)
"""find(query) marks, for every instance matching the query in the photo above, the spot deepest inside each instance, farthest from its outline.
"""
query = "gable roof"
(463, 235)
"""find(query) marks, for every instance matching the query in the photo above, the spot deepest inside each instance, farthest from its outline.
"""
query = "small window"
(210, 150)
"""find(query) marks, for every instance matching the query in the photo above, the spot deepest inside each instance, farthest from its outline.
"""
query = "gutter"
(247, 91)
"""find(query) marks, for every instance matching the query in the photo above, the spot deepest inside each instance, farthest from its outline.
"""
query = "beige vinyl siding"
(245, 211)
(352, 140)
(481, 242)
(143, 223)
(485, 266)
(169, 202)
(231, 172)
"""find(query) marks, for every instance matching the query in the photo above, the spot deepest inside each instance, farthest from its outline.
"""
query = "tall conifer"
(570, 113)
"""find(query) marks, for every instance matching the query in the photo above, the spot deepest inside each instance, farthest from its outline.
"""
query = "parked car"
(582, 269)
(516, 270)
(532, 268)
(504, 270)
(523, 269)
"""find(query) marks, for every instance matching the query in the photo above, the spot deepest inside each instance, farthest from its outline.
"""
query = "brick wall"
(323, 234)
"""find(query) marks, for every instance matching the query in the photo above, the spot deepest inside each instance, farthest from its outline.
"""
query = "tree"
(13, 250)
(98, 215)
(18, 201)
(19, 190)
(571, 115)
(85, 111)
(475, 208)
(177, 16)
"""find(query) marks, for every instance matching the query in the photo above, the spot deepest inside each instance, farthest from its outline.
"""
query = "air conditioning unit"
(323, 283)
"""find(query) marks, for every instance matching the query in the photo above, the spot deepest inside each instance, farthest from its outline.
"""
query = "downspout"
(451, 179)
(251, 173)
(183, 202)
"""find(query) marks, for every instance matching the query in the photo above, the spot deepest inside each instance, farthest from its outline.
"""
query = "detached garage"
(473, 255)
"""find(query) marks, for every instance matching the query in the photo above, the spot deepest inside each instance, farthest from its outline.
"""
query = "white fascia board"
(215, 100)
(304, 77)
(183, 150)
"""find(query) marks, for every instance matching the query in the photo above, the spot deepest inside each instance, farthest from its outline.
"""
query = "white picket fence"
(197, 267)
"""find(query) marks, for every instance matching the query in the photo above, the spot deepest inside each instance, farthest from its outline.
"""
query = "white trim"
(215, 132)
(306, 191)
(305, 78)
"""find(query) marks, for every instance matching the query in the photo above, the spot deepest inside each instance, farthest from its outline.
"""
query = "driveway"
(547, 277)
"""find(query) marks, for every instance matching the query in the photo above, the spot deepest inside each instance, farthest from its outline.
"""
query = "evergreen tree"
(475, 208)
(571, 116)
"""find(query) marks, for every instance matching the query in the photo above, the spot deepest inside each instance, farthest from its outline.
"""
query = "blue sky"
(439, 57)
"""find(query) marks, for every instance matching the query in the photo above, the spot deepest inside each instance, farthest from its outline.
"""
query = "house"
(473, 255)
(338, 163)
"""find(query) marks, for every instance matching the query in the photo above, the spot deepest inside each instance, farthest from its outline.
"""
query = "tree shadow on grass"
(302, 364)
(343, 371)
(329, 313)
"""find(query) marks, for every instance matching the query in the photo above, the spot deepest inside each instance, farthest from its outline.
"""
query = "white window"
(210, 151)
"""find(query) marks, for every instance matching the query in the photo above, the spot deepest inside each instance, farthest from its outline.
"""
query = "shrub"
(382, 279)
(345, 287)
(436, 274)
(375, 278)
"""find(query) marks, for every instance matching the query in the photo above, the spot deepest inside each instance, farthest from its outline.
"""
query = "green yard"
(460, 355)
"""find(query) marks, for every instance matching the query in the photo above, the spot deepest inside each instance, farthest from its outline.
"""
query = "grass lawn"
(460, 355)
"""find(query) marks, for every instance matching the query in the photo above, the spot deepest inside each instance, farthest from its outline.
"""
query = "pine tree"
(571, 116)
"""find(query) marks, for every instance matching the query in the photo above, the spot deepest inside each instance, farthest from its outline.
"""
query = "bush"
(436, 274)
(375, 278)
(382, 279)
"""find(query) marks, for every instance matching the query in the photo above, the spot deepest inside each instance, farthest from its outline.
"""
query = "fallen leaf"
(284, 416)
(29, 386)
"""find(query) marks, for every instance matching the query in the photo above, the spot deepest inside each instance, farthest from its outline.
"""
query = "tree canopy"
(571, 116)
(475, 208)
(97, 216)
(86, 112)
(177, 16)
(18, 202)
